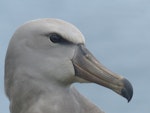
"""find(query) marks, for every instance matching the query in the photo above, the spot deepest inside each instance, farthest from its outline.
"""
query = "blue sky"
(117, 32)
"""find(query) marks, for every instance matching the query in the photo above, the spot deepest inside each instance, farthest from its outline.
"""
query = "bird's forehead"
(49, 25)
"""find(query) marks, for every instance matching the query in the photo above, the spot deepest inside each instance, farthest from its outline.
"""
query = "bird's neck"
(47, 97)
(55, 99)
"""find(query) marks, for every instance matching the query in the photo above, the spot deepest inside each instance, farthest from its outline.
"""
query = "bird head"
(52, 51)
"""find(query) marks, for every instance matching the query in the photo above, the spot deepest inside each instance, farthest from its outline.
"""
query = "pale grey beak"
(89, 68)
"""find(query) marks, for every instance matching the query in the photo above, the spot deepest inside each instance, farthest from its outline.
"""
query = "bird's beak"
(89, 68)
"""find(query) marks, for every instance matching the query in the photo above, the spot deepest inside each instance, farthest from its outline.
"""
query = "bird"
(44, 58)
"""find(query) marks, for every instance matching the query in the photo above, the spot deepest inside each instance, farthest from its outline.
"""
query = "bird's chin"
(81, 80)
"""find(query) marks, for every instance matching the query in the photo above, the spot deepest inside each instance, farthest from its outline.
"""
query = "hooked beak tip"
(127, 91)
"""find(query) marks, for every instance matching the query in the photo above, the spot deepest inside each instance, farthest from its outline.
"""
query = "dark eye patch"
(55, 38)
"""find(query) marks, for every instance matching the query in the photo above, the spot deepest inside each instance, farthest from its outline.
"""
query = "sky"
(117, 32)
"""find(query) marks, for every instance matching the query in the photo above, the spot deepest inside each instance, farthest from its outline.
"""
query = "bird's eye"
(55, 38)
